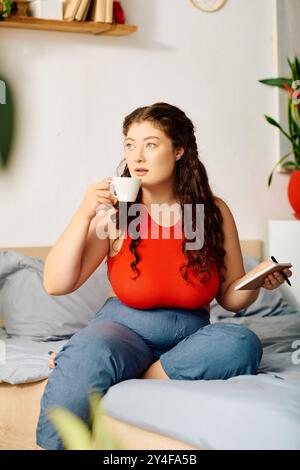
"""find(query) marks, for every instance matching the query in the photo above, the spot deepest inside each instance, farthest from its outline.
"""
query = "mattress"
(246, 412)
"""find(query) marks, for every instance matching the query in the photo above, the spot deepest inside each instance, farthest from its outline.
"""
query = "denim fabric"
(121, 342)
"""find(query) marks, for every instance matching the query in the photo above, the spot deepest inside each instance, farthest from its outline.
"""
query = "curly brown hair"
(191, 187)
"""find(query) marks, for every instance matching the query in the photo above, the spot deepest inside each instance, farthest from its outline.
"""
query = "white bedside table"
(284, 244)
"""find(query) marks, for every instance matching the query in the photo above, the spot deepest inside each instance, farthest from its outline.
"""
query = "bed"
(277, 378)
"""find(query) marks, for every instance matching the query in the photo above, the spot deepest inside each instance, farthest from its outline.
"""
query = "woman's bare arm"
(74, 257)
(62, 266)
(227, 297)
(79, 250)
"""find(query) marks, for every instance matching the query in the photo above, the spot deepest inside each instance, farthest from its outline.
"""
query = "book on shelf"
(97, 11)
(83, 10)
(102, 11)
(109, 11)
(71, 8)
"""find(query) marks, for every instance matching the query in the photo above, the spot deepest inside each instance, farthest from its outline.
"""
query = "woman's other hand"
(274, 280)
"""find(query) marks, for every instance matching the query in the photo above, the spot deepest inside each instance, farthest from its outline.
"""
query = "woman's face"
(148, 147)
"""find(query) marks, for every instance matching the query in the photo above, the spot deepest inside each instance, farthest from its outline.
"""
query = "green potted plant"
(5, 9)
(7, 120)
(76, 435)
(291, 86)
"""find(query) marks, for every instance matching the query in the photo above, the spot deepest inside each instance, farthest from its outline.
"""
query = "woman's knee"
(242, 347)
(93, 341)
(105, 349)
(94, 359)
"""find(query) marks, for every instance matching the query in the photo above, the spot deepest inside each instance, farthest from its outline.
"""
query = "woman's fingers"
(279, 277)
(109, 199)
(267, 283)
(272, 281)
(103, 193)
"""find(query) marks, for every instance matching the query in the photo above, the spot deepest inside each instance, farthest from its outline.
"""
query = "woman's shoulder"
(220, 203)
(224, 208)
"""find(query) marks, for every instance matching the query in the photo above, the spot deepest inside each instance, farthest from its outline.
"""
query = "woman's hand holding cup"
(98, 200)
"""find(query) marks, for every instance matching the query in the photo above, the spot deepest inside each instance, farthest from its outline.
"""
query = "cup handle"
(112, 188)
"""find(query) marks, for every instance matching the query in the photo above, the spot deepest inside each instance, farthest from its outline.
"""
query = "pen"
(285, 277)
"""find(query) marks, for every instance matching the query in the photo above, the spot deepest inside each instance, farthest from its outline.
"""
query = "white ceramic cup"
(125, 188)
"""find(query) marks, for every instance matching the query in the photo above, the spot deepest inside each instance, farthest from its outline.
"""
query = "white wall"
(73, 91)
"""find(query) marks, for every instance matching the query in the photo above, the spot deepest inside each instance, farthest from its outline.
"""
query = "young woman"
(155, 321)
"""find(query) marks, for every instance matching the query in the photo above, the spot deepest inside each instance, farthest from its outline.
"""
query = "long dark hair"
(191, 187)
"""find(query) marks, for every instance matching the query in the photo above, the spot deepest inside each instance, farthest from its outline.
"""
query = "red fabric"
(160, 283)
(118, 13)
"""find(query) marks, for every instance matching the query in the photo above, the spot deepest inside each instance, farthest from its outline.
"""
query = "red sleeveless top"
(159, 283)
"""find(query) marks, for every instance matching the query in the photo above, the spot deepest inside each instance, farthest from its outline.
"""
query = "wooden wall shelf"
(85, 27)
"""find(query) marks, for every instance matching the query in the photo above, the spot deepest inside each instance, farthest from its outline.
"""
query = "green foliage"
(5, 8)
(292, 86)
(6, 122)
(6, 109)
(76, 435)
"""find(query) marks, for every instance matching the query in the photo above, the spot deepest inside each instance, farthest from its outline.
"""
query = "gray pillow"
(268, 303)
(29, 311)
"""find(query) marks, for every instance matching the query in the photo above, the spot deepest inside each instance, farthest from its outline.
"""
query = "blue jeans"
(121, 342)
